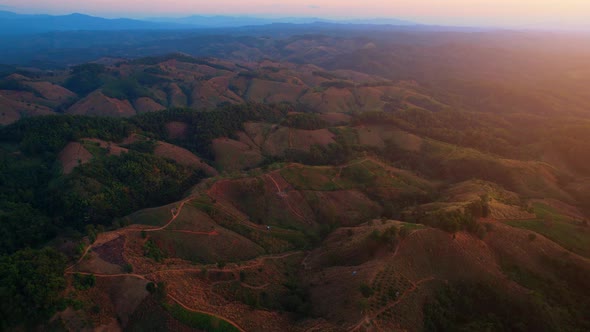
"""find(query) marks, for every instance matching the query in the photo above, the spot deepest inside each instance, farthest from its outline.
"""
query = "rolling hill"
(301, 183)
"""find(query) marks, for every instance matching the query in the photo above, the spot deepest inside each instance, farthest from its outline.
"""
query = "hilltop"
(127, 88)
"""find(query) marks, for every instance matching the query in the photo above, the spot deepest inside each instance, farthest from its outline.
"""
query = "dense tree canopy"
(113, 187)
(204, 126)
(30, 284)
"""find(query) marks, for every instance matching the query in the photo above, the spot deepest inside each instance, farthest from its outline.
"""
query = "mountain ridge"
(14, 23)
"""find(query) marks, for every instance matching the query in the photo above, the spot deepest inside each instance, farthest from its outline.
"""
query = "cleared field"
(73, 155)
(183, 157)
(152, 217)
(273, 91)
(152, 316)
(350, 246)
(276, 241)
(311, 178)
(176, 129)
(547, 212)
(471, 190)
(219, 246)
(572, 237)
(144, 105)
(98, 104)
(356, 175)
(342, 207)
(376, 136)
(389, 176)
(192, 219)
(557, 227)
(231, 155)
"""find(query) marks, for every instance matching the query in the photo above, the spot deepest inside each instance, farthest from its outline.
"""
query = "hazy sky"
(474, 12)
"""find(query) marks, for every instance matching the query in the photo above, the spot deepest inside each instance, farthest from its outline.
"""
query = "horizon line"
(547, 26)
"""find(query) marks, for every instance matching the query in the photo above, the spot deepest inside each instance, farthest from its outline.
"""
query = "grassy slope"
(557, 227)
(199, 320)
(158, 216)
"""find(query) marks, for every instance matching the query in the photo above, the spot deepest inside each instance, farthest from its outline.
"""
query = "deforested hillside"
(301, 183)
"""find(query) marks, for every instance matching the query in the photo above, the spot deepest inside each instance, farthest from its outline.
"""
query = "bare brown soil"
(112, 251)
(73, 155)
(403, 276)
(183, 157)
(14, 105)
(52, 91)
(98, 104)
(145, 105)
(176, 130)
(232, 155)
(336, 119)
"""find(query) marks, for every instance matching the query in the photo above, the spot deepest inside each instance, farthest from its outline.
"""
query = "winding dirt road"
(211, 233)
(174, 215)
(169, 295)
(123, 230)
(101, 275)
(368, 318)
(285, 197)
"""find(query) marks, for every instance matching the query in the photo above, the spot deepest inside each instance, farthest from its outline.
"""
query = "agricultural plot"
(551, 223)
(151, 217)
(221, 246)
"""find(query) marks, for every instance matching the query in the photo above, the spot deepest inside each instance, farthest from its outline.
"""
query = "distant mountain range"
(13, 23)
(240, 21)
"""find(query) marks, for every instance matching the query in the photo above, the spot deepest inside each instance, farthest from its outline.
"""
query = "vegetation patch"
(480, 307)
(153, 251)
(83, 281)
(203, 127)
(573, 237)
(563, 230)
(280, 240)
(306, 121)
(113, 187)
(142, 145)
(549, 213)
(33, 281)
(563, 294)
(224, 246)
(200, 320)
(14, 85)
(311, 178)
(125, 89)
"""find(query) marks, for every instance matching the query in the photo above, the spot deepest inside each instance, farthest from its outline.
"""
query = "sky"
(446, 12)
